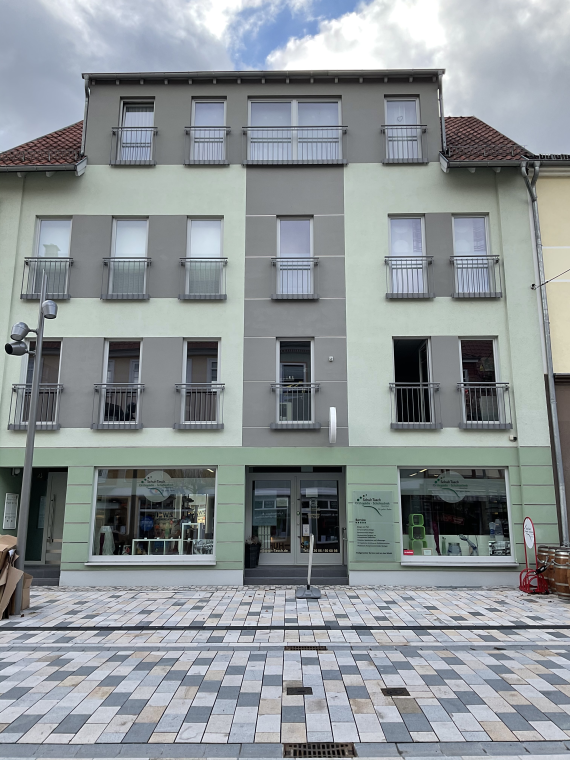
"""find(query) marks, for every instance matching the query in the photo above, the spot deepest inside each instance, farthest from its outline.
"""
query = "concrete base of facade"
(155, 576)
(428, 577)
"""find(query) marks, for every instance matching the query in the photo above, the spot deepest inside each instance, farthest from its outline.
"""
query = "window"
(485, 402)
(208, 132)
(47, 416)
(454, 515)
(201, 391)
(295, 389)
(414, 399)
(475, 270)
(204, 265)
(136, 135)
(295, 271)
(120, 393)
(403, 132)
(53, 240)
(127, 275)
(407, 264)
(161, 514)
(295, 131)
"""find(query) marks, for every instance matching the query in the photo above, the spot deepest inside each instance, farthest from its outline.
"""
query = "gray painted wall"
(362, 112)
(439, 244)
(81, 368)
(90, 244)
(161, 368)
(295, 190)
(446, 370)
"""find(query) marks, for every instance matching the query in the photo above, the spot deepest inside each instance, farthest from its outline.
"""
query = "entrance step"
(44, 575)
(291, 575)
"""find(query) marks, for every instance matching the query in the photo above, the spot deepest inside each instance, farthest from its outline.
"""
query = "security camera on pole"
(19, 347)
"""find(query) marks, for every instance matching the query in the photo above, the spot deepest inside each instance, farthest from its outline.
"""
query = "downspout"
(84, 130)
(441, 114)
(531, 187)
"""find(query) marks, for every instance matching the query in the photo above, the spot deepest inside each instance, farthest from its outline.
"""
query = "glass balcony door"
(286, 509)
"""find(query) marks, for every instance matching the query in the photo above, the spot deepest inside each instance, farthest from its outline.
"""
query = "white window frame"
(24, 376)
(423, 266)
(294, 126)
(310, 265)
(135, 102)
(311, 341)
(122, 112)
(189, 256)
(496, 360)
(104, 381)
(208, 126)
(187, 364)
(464, 561)
(39, 220)
(194, 559)
(417, 139)
(114, 256)
(485, 217)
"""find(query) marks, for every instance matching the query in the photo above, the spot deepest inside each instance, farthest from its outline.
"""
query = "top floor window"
(404, 133)
(295, 131)
(135, 137)
(208, 132)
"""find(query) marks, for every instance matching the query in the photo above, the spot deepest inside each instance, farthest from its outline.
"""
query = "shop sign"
(10, 512)
(450, 486)
(373, 526)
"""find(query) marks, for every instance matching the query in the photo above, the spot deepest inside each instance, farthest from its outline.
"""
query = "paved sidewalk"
(205, 673)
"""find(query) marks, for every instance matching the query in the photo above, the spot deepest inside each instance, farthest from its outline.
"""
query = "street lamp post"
(48, 310)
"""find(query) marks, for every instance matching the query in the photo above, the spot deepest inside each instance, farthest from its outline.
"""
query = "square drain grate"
(300, 648)
(297, 691)
(319, 749)
(395, 691)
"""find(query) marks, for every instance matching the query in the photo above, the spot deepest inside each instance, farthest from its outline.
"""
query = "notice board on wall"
(373, 526)
(10, 521)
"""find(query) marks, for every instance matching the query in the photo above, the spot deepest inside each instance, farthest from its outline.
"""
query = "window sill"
(202, 297)
(133, 163)
(291, 162)
(199, 426)
(39, 426)
(191, 162)
(295, 297)
(158, 561)
(485, 426)
(409, 296)
(295, 426)
(471, 296)
(125, 297)
(51, 296)
(464, 562)
(410, 161)
(416, 425)
(117, 426)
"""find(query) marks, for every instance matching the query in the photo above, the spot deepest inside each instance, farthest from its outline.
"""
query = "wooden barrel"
(550, 572)
(541, 555)
(561, 566)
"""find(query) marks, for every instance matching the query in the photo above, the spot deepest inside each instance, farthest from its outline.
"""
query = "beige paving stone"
(37, 733)
(270, 707)
(58, 738)
(528, 736)
(362, 706)
(331, 686)
(293, 732)
(3, 726)
(296, 701)
(513, 698)
(407, 705)
(72, 680)
(213, 738)
(498, 704)
(353, 680)
(120, 724)
(143, 692)
(101, 692)
(186, 692)
(498, 731)
(315, 705)
(88, 734)
(268, 738)
(150, 714)
(162, 738)
(423, 736)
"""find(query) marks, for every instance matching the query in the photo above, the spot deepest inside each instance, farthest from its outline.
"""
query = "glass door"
(287, 509)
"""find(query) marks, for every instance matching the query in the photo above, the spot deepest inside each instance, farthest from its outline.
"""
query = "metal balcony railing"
(117, 406)
(201, 406)
(415, 406)
(47, 416)
(125, 279)
(133, 146)
(295, 406)
(206, 145)
(476, 276)
(295, 145)
(485, 406)
(205, 279)
(57, 273)
(296, 278)
(404, 144)
(408, 277)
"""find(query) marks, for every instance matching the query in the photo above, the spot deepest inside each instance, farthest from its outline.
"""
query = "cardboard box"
(6, 544)
(26, 590)
(14, 576)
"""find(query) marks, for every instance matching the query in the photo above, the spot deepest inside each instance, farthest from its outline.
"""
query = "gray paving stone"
(24, 723)
(515, 721)
(132, 707)
(395, 732)
(71, 724)
(248, 699)
(530, 712)
(139, 733)
(416, 722)
(357, 692)
(291, 714)
(198, 714)
(261, 750)
(228, 692)
(562, 720)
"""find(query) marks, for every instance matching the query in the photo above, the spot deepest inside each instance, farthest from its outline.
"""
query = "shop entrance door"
(45, 524)
(284, 509)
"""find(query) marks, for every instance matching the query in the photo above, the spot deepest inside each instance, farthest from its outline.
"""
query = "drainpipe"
(531, 187)
(84, 131)
(441, 114)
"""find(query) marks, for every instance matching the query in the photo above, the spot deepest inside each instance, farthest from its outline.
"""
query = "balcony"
(206, 145)
(133, 146)
(117, 406)
(485, 406)
(408, 277)
(295, 145)
(57, 273)
(295, 406)
(201, 406)
(47, 416)
(296, 279)
(415, 406)
(404, 144)
(476, 276)
(125, 279)
(205, 279)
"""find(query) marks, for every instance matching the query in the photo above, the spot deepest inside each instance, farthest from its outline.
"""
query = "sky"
(507, 61)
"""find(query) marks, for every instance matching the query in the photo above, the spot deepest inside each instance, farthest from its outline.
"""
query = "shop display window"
(454, 514)
(154, 513)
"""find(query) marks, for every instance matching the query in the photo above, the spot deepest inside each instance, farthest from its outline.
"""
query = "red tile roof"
(470, 139)
(57, 148)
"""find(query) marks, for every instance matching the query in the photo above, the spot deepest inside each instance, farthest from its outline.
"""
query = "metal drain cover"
(395, 691)
(297, 691)
(300, 648)
(319, 749)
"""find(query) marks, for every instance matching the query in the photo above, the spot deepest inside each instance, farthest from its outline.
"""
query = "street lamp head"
(49, 309)
(19, 331)
(18, 348)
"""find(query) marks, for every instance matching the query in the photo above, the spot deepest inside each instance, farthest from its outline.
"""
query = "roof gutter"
(447, 164)
(531, 187)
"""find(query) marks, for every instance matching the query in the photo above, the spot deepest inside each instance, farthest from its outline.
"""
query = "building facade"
(278, 318)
